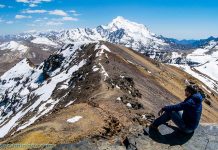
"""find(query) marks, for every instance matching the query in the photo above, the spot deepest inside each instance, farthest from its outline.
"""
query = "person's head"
(191, 89)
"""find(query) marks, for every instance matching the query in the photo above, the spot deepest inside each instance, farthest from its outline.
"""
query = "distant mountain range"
(189, 44)
(37, 46)
(119, 31)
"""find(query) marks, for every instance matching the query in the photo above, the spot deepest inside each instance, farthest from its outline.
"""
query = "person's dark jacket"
(192, 109)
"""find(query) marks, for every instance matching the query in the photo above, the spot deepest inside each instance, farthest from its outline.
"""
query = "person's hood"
(197, 97)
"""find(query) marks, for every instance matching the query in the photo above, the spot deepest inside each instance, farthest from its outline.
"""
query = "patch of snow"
(34, 86)
(101, 51)
(74, 119)
(64, 86)
(144, 117)
(104, 72)
(122, 76)
(106, 55)
(117, 87)
(119, 98)
(209, 69)
(129, 105)
(212, 84)
(104, 47)
(43, 41)
(24, 92)
(45, 49)
(71, 102)
(6, 128)
(94, 68)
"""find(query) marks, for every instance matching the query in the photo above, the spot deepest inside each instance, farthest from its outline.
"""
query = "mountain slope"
(89, 90)
(202, 63)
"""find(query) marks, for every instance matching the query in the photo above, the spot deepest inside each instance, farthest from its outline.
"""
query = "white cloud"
(22, 17)
(2, 6)
(58, 12)
(33, 3)
(39, 11)
(22, 1)
(70, 19)
(4, 21)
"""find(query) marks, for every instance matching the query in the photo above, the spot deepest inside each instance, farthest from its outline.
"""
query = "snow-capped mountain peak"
(122, 23)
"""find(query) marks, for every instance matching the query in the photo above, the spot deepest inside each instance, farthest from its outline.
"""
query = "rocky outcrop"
(167, 138)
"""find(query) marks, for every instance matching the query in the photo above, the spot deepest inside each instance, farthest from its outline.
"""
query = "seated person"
(186, 115)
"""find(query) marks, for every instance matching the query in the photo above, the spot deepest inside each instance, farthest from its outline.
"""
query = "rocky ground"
(117, 94)
(167, 138)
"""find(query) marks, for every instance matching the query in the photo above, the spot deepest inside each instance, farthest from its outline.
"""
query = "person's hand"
(160, 112)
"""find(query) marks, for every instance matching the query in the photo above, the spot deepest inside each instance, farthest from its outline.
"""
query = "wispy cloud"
(60, 17)
(5, 21)
(58, 13)
(2, 6)
(74, 13)
(33, 3)
(45, 22)
(38, 11)
(1, 20)
(9, 22)
(22, 17)
(70, 19)
(54, 23)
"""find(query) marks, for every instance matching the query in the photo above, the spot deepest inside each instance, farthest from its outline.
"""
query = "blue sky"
(190, 19)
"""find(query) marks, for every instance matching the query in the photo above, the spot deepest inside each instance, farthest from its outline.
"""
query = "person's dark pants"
(176, 117)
